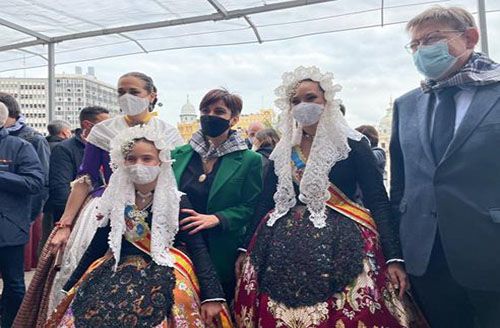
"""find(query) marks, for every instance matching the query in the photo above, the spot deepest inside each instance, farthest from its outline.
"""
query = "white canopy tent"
(38, 33)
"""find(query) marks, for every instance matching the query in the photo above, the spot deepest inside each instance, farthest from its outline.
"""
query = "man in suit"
(445, 167)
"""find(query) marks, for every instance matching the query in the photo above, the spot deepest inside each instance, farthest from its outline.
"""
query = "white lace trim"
(121, 192)
(330, 146)
(85, 179)
(102, 134)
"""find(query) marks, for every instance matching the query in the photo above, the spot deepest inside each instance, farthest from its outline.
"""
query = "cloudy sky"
(371, 64)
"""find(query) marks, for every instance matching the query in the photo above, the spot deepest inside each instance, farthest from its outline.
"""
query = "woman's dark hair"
(11, 103)
(232, 101)
(267, 138)
(149, 85)
(370, 132)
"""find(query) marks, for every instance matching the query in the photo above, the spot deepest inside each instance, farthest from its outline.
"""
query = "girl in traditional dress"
(136, 97)
(318, 259)
(146, 279)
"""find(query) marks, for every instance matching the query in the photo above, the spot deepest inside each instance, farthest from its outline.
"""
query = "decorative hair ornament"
(330, 146)
(121, 192)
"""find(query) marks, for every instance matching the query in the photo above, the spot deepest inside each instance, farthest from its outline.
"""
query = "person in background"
(223, 180)
(265, 141)
(59, 130)
(371, 133)
(253, 128)
(21, 175)
(17, 126)
(445, 164)
(65, 161)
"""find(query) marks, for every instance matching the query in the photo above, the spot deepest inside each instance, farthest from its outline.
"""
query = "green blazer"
(233, 195)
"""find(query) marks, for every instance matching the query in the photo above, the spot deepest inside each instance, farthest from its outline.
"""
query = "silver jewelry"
(144, 196)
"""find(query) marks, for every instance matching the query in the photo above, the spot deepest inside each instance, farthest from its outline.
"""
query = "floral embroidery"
(302, 317)
(245, 319)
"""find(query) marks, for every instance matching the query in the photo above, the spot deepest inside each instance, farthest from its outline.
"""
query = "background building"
(265, 115)
(384, 136)
(190, 123)
(73, 92)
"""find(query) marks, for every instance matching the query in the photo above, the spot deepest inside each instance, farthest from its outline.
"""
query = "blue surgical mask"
(434, 60)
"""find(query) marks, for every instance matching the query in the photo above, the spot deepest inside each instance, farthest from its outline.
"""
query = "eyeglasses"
(429, 39)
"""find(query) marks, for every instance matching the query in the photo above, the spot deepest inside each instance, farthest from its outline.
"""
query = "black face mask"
(213, 126)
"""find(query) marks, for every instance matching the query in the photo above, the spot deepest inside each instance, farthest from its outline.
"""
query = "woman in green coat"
(222, 179)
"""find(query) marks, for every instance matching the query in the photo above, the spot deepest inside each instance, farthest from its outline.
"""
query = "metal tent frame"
(221, 14)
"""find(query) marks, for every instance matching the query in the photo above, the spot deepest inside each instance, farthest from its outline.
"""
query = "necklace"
(143, 197)
(203, 176)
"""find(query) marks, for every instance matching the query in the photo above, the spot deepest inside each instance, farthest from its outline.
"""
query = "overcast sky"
(370, 64)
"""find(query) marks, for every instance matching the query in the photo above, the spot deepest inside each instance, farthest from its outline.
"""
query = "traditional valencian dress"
(140, 293)
(44, 292)
(299, 276)
(316, 260)
(96, 172)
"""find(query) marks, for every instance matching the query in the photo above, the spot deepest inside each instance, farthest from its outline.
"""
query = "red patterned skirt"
(368, 301)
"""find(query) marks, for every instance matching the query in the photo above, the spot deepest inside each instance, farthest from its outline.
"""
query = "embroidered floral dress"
(300, 276)
(140, 293)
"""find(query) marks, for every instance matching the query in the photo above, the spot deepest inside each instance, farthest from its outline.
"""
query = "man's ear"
(471, 37)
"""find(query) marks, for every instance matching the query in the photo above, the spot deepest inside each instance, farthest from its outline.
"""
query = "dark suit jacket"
(459, 196)
(65, 160)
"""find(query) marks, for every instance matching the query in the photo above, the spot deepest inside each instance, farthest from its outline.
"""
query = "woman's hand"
(397, 276)
(209, 310)
(238, 266)
(197, 222)
(59, 240)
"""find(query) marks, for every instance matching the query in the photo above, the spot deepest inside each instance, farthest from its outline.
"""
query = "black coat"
(53, 141)
(21, 176)
(65, 160)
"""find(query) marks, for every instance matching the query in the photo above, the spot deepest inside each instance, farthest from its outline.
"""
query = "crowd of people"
(289, 228)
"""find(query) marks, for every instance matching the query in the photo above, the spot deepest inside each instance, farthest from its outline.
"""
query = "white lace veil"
(329, 147)
(121, 192)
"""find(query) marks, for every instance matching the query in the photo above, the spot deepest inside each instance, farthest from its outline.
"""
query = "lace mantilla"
(121, 192)
(329, 147)
(103, 133)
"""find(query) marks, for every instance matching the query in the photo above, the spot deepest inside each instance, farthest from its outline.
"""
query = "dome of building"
(188, 108)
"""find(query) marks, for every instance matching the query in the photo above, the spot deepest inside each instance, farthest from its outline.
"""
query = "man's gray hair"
(4, 114)
(455, 17)
(56, 126)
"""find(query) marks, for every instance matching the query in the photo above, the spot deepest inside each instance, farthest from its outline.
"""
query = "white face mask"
(307, 113)
(142, 174)
(132, 105)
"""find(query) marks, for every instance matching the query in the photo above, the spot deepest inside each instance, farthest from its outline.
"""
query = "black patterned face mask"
(213, 126)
